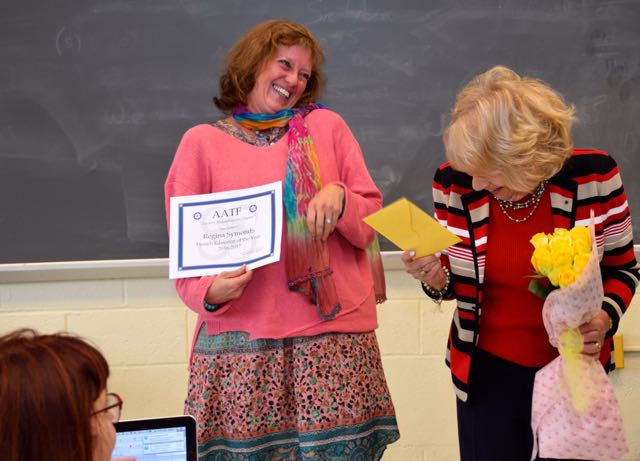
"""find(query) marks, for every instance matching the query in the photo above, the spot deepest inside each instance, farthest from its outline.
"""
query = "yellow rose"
(581, 239)
(560, 240)
(582, 246)
(580, 261)
(580, 233)
(539, 240)
(561, 252)
(566, 277)
(553, 276)
(560, 232)
(542, 261)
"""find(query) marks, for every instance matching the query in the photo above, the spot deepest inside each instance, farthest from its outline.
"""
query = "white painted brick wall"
(145, 333)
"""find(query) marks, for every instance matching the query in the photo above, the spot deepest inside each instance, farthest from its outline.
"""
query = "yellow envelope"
(409, 227)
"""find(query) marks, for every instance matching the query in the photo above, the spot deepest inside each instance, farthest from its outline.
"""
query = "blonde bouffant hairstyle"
(248, 56)
(515, 126)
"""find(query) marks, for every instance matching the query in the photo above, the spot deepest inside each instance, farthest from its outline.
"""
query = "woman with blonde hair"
(512, 172)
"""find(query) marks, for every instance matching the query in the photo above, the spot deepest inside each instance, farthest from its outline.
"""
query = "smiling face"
(281, 81)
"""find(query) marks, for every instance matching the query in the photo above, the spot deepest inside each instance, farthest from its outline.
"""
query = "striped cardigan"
(588, 181)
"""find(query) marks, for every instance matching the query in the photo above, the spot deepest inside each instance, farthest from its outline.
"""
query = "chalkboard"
(95, 95)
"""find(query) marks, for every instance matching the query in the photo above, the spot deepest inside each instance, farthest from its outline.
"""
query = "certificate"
(212, 233)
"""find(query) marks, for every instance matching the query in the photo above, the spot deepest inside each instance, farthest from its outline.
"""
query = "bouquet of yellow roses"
(575, 413)
(561, 256)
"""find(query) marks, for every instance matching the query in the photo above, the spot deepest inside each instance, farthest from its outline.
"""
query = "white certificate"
(212, 233)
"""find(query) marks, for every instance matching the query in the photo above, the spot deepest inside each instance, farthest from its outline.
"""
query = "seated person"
(54, 403)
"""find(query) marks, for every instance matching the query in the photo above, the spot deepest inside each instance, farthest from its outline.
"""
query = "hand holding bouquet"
(575, 413)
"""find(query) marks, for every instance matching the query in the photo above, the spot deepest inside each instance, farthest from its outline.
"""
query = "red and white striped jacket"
(589, 180)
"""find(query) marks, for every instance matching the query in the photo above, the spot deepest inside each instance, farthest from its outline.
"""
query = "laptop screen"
(158, 439)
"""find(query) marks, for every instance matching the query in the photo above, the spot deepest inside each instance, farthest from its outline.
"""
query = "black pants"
(495, 425)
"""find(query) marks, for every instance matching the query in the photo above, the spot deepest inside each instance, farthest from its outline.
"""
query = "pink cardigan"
(210, 160)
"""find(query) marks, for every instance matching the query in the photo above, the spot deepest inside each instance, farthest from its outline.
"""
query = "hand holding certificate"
(212, 233)
(410, 228)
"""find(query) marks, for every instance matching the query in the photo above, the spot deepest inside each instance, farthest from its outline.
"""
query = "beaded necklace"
(269, 136)
(532, 201)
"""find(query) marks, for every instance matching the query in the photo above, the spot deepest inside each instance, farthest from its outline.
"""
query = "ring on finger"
(598, 345)
(422, 273)
(328, 220)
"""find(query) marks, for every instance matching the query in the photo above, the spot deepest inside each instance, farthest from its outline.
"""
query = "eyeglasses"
(114, 406)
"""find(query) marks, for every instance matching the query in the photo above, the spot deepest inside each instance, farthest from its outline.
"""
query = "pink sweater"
(210, 160)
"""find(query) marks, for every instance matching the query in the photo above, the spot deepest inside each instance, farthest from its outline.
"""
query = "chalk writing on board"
(95, 96)
(67, 41)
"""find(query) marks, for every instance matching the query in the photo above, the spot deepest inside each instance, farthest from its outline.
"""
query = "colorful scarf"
(308, 269)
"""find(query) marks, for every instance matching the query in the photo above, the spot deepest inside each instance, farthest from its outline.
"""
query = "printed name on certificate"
(212, 233)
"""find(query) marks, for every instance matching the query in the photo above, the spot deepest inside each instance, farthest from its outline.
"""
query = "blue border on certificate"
(181, 211)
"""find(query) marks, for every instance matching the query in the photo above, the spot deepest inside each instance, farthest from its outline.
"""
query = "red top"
(511, 324)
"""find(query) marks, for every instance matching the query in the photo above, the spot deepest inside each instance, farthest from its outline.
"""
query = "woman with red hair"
(54, 403)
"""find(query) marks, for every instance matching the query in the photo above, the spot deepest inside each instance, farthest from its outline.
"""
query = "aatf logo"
(225, 212)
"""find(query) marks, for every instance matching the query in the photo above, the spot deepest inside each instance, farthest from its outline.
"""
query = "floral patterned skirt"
(306, 398)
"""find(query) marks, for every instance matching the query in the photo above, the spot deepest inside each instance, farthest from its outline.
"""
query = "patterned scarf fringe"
(308, 269)
(377, 271)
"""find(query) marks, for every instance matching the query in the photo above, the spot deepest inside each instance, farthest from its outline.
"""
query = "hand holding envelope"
(410, 228)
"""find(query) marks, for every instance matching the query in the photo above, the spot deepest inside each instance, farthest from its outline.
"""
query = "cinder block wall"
(145, 333)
